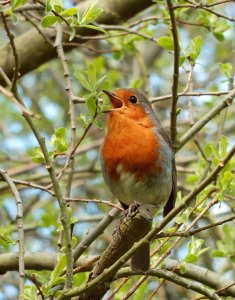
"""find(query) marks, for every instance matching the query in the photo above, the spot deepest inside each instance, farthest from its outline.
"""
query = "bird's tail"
(140, 261)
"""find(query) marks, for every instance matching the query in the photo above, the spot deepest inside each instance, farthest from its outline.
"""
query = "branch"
(20, 226)
(195, 231)
(173, 129)
(170, 276)
(12, 97)
(206, 8)
(227, 101)
(61, 55)
(46, 261)
(125, 235)
(200, 274)
(14, 51)
(109, 203)
(38, 261)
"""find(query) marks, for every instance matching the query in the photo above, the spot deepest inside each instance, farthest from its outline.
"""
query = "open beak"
(115, 100)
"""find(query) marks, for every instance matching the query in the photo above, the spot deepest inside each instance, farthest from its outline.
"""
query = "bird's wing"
(171, 201)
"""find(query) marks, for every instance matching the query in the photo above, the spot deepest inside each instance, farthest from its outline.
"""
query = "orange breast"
(132, 144)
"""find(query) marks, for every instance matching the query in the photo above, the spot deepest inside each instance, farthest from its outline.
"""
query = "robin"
(137, 160)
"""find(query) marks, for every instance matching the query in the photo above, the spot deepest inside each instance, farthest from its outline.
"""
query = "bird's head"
(129, 102)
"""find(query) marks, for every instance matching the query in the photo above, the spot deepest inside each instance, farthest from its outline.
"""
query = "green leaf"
(215, 152)
(226, 69)
(72, 34)
(191, 258)
(79, 278)
(48, 21)
(195, 48)
(204, 250)
(56, 5)
(14, 18)
(42, 279)
(94, 27)
(182, 60)
(118, 55)
(91, 104)
(223, 144)
(91, 13)
(5, 238)
(58, 270)
(74, 241)
(58, 280)
(182, 269)
(183, 218)
(100, 81)
(164, 248)
(69, 12)
(166, 42)
(58, 140)
(170, 230)
(17, 3)
(30, 293)
(207, 150)
(219, 36)
(84, 82)
(99, 123)
(37, 155)
(92, 76)
(218, 253)
(84, 119)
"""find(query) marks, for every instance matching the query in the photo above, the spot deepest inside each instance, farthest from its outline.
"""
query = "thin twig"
(53, 11)
(206, 8)
(20, 226)
(173, 113)
(221, 291)
(227, 101)
(28, 16)
(63, 59)
(172, 277)
(109, 203)
(182, 94)
(14, 51)
(34, 280)
(33, 185)
(12, 97)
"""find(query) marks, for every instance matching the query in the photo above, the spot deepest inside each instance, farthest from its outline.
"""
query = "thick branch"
(131, 229)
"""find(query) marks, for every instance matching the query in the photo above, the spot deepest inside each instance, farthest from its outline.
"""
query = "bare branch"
(173, 131)
(20, 226)
(170, 276)
(227, 101)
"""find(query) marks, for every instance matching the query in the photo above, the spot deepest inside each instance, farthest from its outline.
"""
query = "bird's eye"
(133, 99)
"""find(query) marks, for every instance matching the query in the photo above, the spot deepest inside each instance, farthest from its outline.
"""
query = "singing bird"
(137, 159)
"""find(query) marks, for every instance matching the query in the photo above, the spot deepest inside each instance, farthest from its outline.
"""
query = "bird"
(137, 159)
